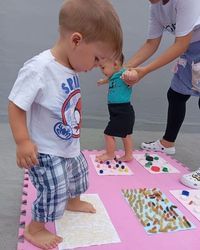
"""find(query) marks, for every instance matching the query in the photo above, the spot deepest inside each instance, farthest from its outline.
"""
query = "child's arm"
(26, 151)
(102, 81)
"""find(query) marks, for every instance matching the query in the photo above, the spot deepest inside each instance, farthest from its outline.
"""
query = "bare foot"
(80, 206)
(104, 157)
(40, 237)
(126, 158)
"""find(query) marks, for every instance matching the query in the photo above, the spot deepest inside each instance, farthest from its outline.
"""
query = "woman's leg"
(175, 118)
(199, 103)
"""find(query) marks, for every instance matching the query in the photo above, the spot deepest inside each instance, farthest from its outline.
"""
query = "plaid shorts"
(57, 179)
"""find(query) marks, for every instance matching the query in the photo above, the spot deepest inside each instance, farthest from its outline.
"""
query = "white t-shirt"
(50, 93)
(179, 17)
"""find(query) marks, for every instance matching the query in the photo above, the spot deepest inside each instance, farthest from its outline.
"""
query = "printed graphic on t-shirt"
(70, 125)
(112, 85)
(170, 27)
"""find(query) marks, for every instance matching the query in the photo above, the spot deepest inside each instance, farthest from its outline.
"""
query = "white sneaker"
(192, 179)
(158, 147)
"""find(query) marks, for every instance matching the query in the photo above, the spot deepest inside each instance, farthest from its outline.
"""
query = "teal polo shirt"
(119, 91)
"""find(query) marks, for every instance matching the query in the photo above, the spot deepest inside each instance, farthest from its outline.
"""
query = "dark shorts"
(122, 118)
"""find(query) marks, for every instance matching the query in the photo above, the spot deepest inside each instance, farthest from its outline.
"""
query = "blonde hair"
(95, 20)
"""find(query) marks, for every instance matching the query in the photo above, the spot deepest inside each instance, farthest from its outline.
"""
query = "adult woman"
(181, 18)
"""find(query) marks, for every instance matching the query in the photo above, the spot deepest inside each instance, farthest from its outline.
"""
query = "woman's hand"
(133, 75)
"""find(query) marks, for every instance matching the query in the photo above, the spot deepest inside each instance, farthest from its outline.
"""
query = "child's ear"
(116, 64)
(76, 38)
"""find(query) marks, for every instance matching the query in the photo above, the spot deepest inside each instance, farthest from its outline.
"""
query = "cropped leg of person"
(77, 172)
(35, 232)
(77, 205)
(128, 147)
(38, 235)
(175, 118)
(110, 149)
(192, 179)
(58, 181)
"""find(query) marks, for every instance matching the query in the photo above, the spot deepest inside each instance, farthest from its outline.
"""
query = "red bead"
(155, 168)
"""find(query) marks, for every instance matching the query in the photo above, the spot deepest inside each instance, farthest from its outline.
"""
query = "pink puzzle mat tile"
(189, 199)
(127, 225)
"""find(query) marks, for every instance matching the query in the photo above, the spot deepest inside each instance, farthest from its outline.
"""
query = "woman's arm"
(179, 46)
(144, 53)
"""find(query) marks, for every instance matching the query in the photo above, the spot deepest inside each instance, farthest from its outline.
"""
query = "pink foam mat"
(128, 226)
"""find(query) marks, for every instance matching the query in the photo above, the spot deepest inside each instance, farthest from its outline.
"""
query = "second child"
(122, 115)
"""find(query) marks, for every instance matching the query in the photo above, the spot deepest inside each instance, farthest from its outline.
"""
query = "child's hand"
(130, 76)
(26, 154)
(102, 81)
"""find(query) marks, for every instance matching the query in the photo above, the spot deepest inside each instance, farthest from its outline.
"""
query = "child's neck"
(116, 70)
(60, 55)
